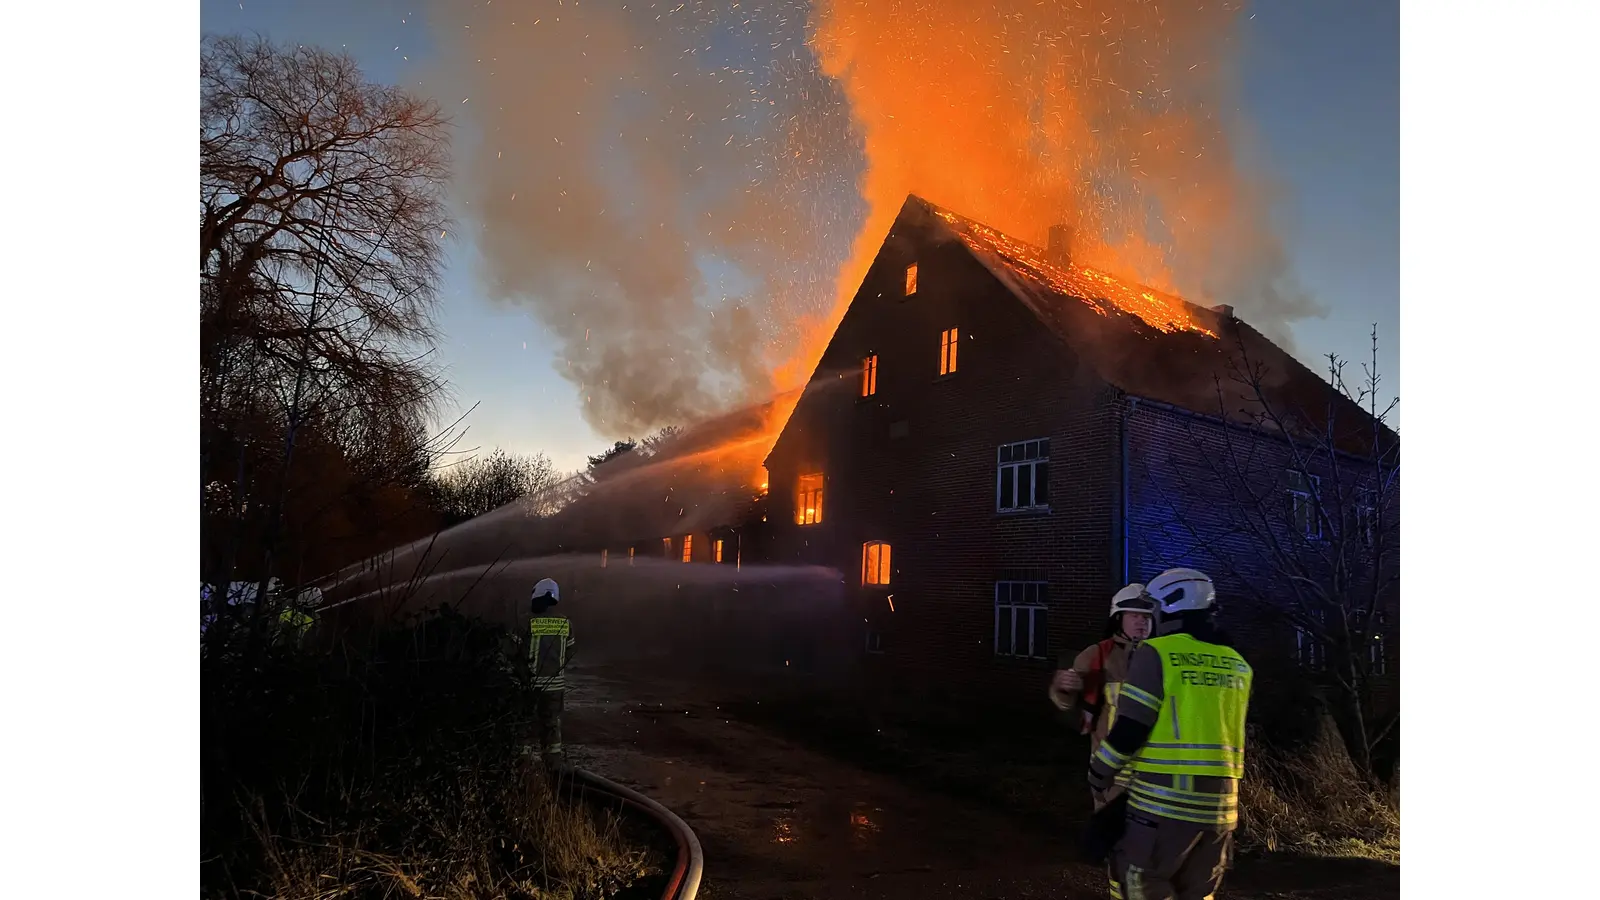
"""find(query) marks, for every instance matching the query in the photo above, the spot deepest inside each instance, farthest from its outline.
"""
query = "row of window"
(1304, 491)
(1022, 628)
(949, 346)
(1022, 482)
(718, 546)
(1312, 651)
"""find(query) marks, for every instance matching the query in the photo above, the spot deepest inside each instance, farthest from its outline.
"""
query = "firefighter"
(1180, 731)
(549, 648)
(1089, 682)
(295, 619)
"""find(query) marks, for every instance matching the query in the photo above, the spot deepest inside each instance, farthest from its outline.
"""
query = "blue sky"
(1320, 86)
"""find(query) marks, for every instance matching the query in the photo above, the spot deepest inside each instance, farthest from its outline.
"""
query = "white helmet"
(1132, 599)
(547, 587)
(1182, 590)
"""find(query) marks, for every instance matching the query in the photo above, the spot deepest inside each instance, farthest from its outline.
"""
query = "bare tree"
(321, 220)
(1300, 509)
(481, 484)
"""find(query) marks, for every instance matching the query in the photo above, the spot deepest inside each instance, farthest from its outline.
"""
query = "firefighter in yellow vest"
(549, 648)
(1180, 730)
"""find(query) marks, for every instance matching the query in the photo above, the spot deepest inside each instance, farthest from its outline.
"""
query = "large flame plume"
(689, 193)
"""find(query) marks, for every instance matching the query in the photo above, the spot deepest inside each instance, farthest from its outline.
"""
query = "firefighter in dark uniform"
(1180, 730)
(549, 648)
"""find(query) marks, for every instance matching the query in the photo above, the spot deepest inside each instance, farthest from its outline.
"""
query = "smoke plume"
(686, 193)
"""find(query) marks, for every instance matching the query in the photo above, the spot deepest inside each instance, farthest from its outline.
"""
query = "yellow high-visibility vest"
(548, 637)
(1199, 730)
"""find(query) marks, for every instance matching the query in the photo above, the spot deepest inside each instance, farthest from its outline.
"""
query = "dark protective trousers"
(547, 708)
(1164, 859)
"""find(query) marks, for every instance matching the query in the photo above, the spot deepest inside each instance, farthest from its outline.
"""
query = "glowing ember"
(1095, 288)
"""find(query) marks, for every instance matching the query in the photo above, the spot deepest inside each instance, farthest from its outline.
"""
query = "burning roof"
(1146, 342)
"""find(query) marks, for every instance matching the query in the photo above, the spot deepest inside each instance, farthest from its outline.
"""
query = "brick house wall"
(915, 465)
(1174, 491)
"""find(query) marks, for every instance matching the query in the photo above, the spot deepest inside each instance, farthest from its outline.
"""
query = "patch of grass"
(390, 770)
(471, 838)
(1313, 801)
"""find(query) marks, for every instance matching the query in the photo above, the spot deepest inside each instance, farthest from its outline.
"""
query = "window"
(875, 563)
(1023, 478)
(1021, 618)
(1309, 649)
(1302, 491)
(1367, 517)
(869, 376)
(603, 558)
(666, 547)
(688, 547)
(716, 550)
(911, 279)
(874, 641)
(808, 500)
(630, 556)
(1377, 649)
(947, 351)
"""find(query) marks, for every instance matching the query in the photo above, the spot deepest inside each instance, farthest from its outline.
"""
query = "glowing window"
(630, 556)
(869, 376)
(688, 547)
(947, 351)
(808, 500)
(875, 563)
(911, 279)
(716, 551)
(666, 547)
(603, 558)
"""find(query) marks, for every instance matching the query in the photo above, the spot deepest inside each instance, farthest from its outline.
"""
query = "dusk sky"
(1319, 96)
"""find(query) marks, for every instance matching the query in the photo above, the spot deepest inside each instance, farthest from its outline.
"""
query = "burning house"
(996, 438)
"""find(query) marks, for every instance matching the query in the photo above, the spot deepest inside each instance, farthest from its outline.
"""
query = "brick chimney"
(1059, 251)
(1224, 309)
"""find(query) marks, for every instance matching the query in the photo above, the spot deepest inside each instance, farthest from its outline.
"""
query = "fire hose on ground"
(684, 882)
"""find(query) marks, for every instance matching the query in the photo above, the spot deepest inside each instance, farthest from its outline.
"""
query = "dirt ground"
(779, 820)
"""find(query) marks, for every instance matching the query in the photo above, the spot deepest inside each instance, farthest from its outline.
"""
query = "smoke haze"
(687, 193)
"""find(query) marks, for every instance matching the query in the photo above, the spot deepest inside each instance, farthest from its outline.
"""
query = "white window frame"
(1300, 498)
(1036, 643)
(1018, 460)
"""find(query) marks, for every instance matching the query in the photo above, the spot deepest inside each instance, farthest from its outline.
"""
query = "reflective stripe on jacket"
(549, 644)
